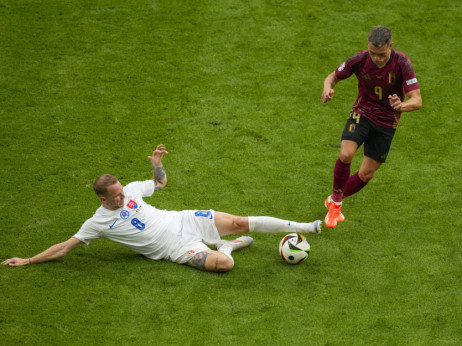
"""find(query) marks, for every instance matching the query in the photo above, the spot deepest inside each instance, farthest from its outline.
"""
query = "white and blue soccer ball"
(294, 248)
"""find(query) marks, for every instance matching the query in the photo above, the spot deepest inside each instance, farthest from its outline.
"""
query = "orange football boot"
(334, 214)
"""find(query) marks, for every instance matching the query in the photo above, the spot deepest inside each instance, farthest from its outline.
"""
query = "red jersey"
(375, 84)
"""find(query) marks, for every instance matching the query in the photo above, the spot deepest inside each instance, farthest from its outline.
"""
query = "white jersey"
(149, 231)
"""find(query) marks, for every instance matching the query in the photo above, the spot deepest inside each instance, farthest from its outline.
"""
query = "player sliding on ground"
(176, 236)
(384, 76)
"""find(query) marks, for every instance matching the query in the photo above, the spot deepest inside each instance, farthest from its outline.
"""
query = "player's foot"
(327, 203)
(317, 227)
(333, 214)
(238, 243)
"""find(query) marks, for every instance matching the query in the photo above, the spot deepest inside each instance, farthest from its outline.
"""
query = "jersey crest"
(132, 204)
(124, 214)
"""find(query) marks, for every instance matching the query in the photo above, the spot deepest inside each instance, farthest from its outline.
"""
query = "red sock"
(341, 175)
(353, 185)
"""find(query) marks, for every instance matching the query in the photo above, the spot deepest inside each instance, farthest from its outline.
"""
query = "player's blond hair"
(102, 182)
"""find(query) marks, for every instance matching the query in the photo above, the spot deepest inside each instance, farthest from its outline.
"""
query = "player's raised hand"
(327, 95)
(157, 154)
(395, 102)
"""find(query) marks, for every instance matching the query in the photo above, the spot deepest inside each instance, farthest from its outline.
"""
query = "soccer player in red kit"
(385, 78)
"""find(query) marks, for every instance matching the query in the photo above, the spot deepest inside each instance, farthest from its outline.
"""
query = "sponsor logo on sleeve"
(341, 67)
(411, 81)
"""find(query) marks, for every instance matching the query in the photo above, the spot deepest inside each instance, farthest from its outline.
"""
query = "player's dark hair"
(102, 182)
(380, 36)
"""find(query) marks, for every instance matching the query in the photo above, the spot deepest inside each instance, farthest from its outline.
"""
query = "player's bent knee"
(212, 261)
(225, 264)
(220, 263)
(346, 156)
(366, 176)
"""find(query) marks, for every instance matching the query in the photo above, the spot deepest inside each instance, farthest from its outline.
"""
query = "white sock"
(227, 248)
(268, 224)
(331, 200)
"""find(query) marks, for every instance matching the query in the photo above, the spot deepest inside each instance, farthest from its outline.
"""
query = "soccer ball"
(294, 248)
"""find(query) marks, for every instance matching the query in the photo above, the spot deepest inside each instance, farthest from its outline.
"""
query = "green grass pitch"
(232, 88)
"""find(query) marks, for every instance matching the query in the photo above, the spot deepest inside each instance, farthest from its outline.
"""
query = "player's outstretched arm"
(329, 84)
(53, 252)
(160, 177)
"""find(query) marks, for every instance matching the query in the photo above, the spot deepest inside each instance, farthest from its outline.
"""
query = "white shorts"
(198, 230)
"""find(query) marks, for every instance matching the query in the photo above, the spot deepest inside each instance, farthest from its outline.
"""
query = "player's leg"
(195, 253)
(220, 260)
(231, 224)
(353, 185)
(341, 175)
(354, 133)
(348, 149)
(342, 168)
(376, 148)
(213, 261)
(368, 168)
(200, 228)
(360, 179)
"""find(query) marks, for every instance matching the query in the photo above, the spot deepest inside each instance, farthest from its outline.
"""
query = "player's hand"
(395, 102)
(157, 154)
(15, 262)
(327, 95)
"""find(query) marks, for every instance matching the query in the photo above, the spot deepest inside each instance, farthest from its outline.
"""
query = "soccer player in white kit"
(176, 236)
